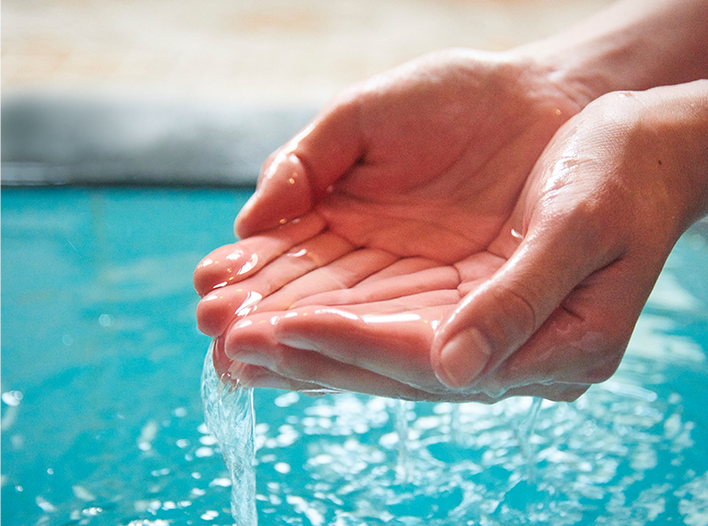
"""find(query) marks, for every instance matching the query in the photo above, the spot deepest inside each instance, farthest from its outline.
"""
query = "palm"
(414, 213)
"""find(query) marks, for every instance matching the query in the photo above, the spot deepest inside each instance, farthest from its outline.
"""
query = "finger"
(342, 273)
(476, 269)
(402, 267)
(253, 341)
(504, 311)
(220, 306)
(233, 263)
(432, 279)
(389, 341)
(430, 305)
(296, 176)
(304, 370)
(290, 368)
(241, 374)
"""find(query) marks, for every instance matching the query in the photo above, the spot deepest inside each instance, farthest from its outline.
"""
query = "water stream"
(229, 416)
(622, 453)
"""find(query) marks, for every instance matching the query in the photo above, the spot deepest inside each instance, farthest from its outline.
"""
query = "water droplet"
(207, 440)
(12, 398)
(45, 505)
(82, 493)
(287, 399)
(209, 515)
(204, 452)
(282, 467)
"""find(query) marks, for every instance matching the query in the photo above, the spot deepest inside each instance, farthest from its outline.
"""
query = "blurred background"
(132, 133)
(157, 91)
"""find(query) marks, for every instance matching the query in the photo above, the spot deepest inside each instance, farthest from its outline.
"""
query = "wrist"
(662, 167)
(631, 45)
(675, 122)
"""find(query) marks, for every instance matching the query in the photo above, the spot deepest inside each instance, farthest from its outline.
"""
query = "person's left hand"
(402, 189)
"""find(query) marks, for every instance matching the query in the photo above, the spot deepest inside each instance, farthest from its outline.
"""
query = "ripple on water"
(616, 454)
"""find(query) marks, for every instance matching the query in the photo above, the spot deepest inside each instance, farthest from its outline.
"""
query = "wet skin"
(403, 254)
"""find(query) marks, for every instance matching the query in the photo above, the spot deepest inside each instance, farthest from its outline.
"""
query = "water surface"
(102, 421)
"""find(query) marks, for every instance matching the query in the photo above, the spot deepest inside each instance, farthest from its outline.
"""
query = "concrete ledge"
(73, 140)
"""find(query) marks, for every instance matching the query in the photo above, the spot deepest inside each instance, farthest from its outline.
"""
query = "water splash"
(616, 452)
(525, 435)
(229, 416)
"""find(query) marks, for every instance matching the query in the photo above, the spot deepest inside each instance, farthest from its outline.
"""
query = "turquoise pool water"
(102, 421)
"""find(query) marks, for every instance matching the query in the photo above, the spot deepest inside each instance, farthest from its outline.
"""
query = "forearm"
(676, 126)
(631, 45)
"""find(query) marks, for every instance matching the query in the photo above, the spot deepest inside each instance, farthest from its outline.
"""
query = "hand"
(380, 341)
(414, 171)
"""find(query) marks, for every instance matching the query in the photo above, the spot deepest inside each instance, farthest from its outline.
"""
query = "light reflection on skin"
(390, 318)
(400, 317)
(252, 262)
(368, 318)
(243, 323)
(211, 296)
(287, 155)
(235, 255)
(295, 141)
(249, 304)
(338, 312)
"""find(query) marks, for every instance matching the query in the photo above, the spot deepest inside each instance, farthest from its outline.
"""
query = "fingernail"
(464, 357)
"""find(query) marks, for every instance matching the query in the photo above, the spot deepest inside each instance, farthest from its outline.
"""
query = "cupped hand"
(403, 182)
(458, 280)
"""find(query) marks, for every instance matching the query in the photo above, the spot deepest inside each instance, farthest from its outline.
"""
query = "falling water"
(525, 434)
(619, 451)
(229, 416)
(403, 445)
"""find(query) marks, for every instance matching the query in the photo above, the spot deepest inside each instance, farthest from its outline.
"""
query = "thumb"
(297, 175)
(497, 318)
